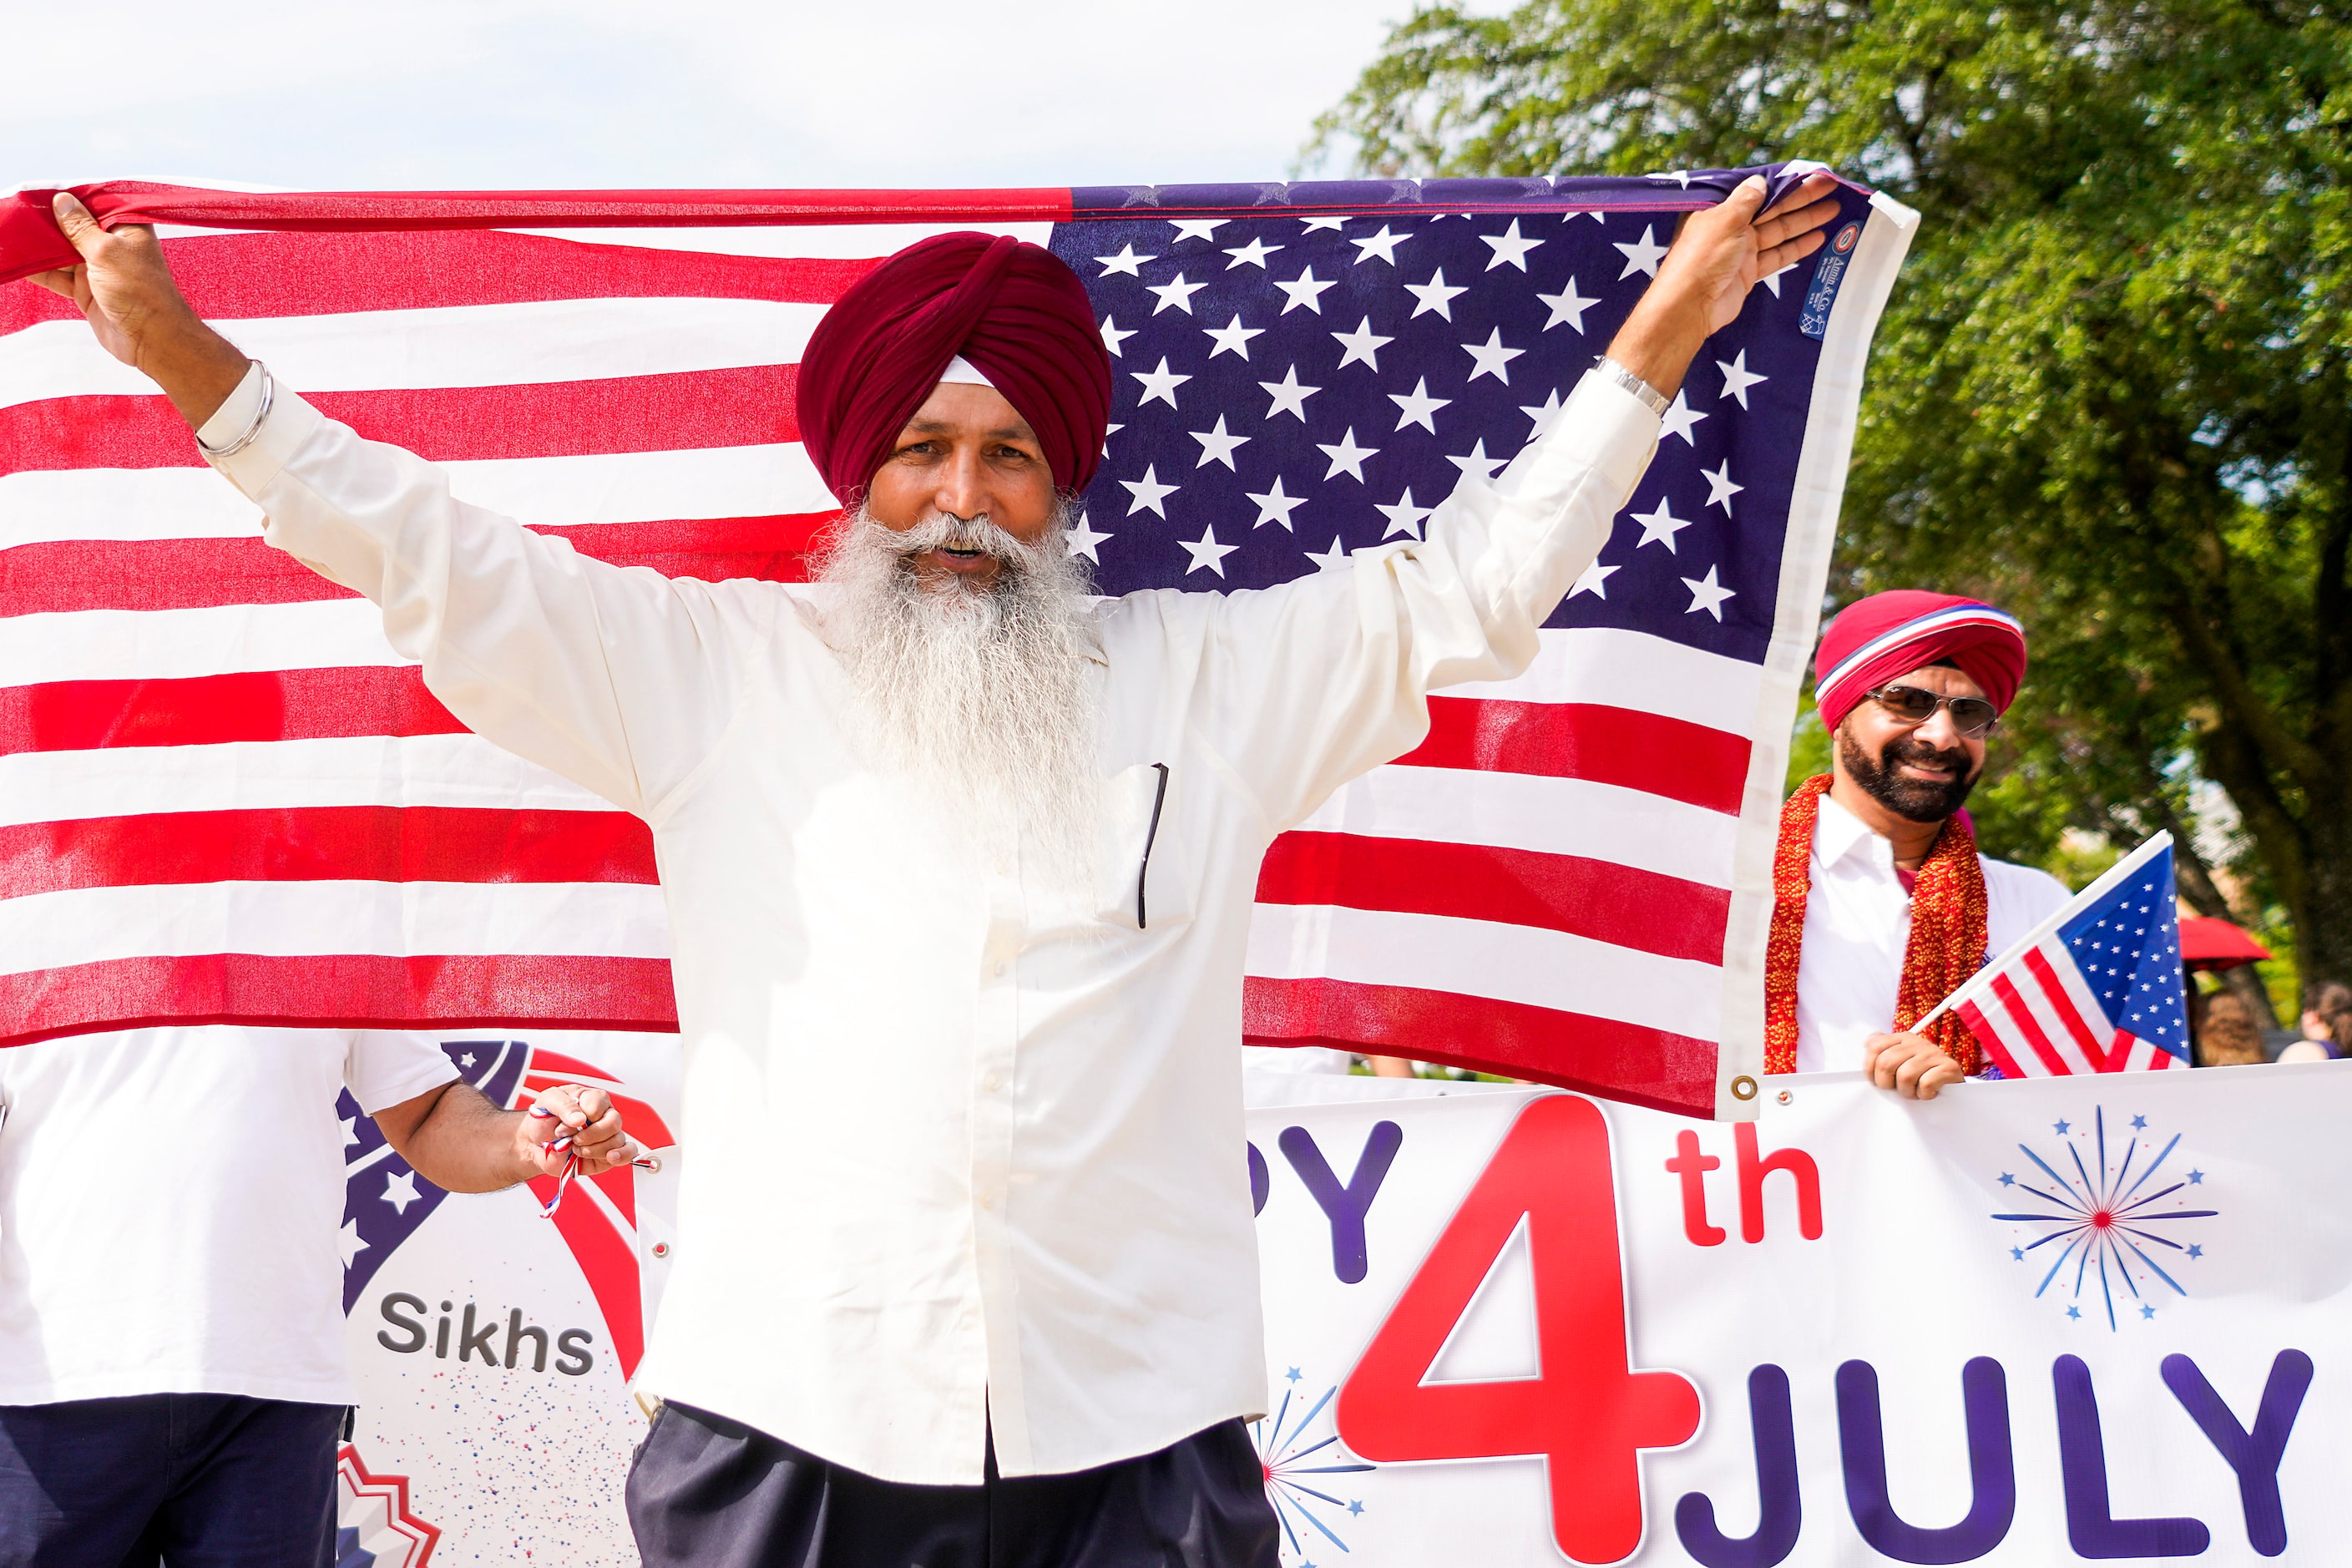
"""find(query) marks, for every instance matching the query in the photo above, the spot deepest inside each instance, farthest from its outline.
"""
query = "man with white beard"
(959, 866)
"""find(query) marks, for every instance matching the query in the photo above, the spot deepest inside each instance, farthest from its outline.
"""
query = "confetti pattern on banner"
(224, 798)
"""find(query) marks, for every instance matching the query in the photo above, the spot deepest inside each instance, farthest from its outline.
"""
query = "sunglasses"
(1973, 717)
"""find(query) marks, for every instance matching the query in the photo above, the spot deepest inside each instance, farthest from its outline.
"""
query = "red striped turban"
(1875, 639)
(1013, 310)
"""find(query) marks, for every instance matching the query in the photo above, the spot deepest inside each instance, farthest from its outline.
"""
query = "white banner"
(2025, 1323)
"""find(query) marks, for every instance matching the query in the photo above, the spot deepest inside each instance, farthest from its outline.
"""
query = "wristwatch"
(1652, 398)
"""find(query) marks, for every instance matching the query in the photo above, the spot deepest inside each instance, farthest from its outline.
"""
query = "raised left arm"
(461, 1143)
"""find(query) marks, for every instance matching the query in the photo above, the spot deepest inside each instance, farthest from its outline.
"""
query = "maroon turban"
(1875, 640)
(1014, 310)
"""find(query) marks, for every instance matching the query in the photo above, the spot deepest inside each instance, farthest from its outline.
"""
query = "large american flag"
(223, 797)
(2097, 988)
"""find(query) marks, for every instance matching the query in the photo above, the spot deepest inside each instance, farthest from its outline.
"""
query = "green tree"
(2110, 390)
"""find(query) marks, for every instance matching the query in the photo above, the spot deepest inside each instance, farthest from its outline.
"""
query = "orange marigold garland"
(1948, 933)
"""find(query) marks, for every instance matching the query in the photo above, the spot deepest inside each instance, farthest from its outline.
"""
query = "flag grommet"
(1743, 1088)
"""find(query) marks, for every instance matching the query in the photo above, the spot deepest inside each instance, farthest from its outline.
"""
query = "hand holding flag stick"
(571, 1130)
(2095, 988)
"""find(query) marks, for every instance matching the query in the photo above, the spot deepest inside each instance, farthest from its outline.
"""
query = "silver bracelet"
(260, 417)
(1652, 398)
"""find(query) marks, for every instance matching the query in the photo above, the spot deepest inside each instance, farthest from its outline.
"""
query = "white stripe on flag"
(166, 644)
(2046, 1012)
(1548, 815)
(525, 343)
(1632, 669)
(2077, 991)
(1483, 958)
(463, 770)
(830, 242)
(88, 925)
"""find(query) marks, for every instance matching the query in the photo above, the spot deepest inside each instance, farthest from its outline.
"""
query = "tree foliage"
(2110, 392)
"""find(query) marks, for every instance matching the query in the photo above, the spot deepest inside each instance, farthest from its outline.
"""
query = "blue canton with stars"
(2127, 946)
(1293, 383)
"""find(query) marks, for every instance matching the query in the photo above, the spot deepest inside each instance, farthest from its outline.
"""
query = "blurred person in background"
(2228, 1035)
(2326, 1024)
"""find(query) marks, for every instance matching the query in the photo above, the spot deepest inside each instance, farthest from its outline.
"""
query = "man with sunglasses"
(1882, 903)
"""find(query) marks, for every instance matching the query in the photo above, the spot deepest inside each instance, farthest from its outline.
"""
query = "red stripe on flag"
(1623, 747)
(217, 709)
(2028, 1026)
(749, 405)
(2117, 1054)
(2062, 1002)
(1596, 899)
(1989, 1038)
(326, 844)
(61, 575)
(238, 277)
(1648, 1067)
(340, 991)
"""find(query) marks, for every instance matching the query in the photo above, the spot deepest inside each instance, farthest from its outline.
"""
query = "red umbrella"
(2209, 943)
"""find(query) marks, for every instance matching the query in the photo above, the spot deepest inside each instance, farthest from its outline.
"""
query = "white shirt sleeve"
(618, 678)
(383, 1067)
(1321, 680)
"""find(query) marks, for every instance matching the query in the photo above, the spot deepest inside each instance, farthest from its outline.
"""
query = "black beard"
(1913, 800)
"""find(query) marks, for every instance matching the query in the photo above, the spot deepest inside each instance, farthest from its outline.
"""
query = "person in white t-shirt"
(172, 1376)
(1882, 904)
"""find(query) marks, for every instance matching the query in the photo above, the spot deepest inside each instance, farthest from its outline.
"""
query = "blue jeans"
(189, 1481)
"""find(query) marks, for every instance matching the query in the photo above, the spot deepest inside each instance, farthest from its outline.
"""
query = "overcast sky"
(551, 93)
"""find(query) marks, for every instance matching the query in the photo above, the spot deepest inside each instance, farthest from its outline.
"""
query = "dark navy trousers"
(707, 1492)
(186, 1481)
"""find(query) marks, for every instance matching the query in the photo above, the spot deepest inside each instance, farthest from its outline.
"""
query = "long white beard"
(976, 693)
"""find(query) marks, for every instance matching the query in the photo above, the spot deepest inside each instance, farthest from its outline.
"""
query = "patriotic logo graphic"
(374, 1526)
(224, 798)
(385, 1202)
(2115, 1219)
(2096, 988)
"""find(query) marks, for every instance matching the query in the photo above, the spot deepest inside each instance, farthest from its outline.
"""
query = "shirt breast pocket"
(1143, 876)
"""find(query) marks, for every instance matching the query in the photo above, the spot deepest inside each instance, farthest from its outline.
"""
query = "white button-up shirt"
(961, 1149)
(1858, 923)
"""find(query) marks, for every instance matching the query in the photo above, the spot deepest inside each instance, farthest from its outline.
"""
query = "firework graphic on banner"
(1298, 1446)
(2113, 1221)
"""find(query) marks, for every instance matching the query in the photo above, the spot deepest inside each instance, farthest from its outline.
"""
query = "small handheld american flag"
(2096, 987)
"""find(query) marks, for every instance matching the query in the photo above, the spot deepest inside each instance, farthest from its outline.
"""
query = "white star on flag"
(1660, 526)
(1641, 257)
(1148, 491)
(400, 1191)
(1478, 465)
(1206, 552)
(1567, 306)
(1382, 245)
(1679, 419)
(1233, 337)
(1705, 594)
(1404, 517)
(1273, 506)
(1254, 254)
(1175, 293)
(1545, 414)
(1363, 345)
(1434, 294)
(1126, 262)
(1216, 446)
(1333, 224)
(1738, 378)
(1289, 396)
(1083, 537)
(1332, 559)
(1415, 407)
(1595, 576)
(1197, 227)
(1347, 457)
(1493, 359)
(1159, 385)
(1719, 488)
(1112, 337)
(1510, 251)
(1305, 290)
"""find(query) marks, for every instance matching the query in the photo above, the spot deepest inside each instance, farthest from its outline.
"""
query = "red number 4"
(1590, 1413)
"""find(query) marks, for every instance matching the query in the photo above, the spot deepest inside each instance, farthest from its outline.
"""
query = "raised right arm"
(619, 679)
